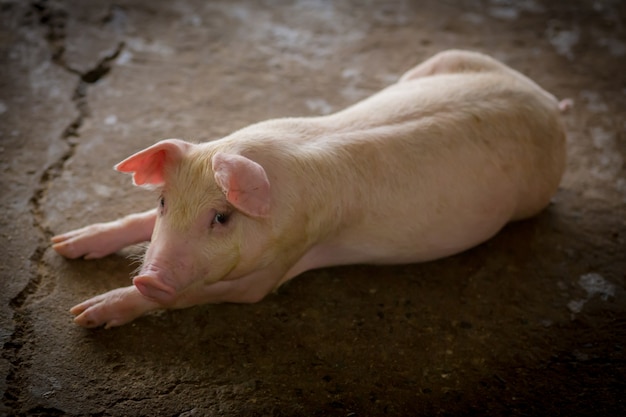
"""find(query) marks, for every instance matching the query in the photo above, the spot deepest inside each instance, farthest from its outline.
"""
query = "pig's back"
(433, 166)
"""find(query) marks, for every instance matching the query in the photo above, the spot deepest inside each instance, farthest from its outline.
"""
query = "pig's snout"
(155, 289)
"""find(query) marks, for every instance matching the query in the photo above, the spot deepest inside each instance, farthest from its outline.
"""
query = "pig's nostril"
(154, 289)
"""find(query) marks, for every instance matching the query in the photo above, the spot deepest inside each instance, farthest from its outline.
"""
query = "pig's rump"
(430, 167)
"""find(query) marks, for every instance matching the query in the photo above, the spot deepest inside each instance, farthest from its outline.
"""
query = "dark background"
(532, 323)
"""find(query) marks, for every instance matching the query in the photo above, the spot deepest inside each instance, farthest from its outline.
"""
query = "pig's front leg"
(101, 239)
(113, 308)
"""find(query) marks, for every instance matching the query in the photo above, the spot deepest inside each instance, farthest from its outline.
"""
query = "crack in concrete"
(54, 19)
(79, 98)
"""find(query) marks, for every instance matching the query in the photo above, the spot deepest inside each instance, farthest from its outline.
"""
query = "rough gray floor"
(531, 323)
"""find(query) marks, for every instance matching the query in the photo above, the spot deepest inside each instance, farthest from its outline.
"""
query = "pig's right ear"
(244, 182)
(148, 166)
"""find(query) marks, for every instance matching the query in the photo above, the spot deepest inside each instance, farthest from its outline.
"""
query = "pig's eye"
(161, 204)
(220, 218)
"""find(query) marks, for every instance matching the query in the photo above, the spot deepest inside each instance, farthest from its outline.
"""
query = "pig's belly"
(413, 238)
(421, 221)
(407, 246)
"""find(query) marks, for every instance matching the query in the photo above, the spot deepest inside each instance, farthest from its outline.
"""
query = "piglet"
(430, 166)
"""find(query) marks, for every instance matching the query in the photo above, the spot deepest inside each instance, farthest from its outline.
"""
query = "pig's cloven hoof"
(92, 242)
(114, 308)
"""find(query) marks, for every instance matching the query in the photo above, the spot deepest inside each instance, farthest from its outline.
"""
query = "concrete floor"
(531, 323)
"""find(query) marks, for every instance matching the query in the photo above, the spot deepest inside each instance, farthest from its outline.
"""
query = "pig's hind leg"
(102, 239)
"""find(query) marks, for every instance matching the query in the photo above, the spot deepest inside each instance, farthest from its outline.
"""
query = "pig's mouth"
(155, 289)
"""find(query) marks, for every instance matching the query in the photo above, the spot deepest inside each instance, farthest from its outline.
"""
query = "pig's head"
(213, 216)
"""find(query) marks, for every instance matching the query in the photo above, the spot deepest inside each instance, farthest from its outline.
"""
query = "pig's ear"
(147, 166)
(244, 183)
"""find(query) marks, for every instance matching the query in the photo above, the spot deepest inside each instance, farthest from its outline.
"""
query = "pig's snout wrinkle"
(155, 289)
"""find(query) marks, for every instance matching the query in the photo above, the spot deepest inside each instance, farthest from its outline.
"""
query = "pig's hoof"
(114, 308)
(88, 316)
(94, 241)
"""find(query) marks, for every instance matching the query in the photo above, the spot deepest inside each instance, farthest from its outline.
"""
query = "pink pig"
(428, 167)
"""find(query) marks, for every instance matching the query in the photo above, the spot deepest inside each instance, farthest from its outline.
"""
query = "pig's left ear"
(148, 166)
(244, 183)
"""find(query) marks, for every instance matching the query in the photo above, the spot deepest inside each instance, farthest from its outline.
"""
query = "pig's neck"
(316, 189)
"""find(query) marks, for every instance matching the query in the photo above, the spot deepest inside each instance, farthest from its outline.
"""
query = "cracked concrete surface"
(531, 323)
